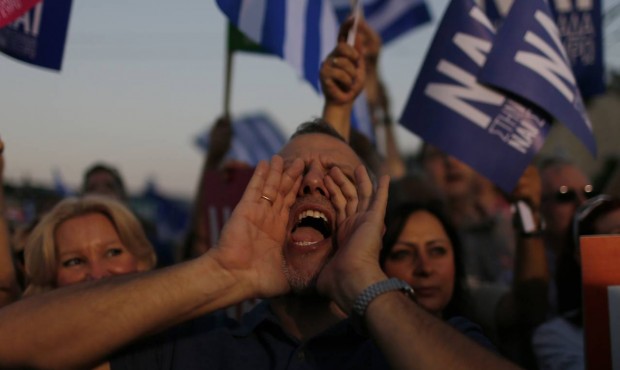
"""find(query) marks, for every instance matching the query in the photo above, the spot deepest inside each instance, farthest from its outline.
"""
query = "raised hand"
(251, 242)
(342, 75)
(343, 72)
(355, 264)
(529, 188)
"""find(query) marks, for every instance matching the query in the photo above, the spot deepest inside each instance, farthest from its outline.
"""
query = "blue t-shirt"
(259, 342)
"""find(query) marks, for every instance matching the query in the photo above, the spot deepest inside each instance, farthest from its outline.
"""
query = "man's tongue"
(306, 235)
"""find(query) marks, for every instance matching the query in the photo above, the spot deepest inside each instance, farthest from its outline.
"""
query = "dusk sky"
(142, 78)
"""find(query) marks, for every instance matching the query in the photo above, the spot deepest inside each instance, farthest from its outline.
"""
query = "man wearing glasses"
(564, 188)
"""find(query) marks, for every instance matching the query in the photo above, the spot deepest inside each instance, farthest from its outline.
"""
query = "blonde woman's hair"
(41, 259)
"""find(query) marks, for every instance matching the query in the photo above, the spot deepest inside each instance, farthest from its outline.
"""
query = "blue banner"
(580, 26)
(10, 10)
(581, 32)
(38, 37)
(528, 59)
(495, 134)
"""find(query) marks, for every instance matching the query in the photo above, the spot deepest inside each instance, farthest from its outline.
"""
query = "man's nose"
(314, 182)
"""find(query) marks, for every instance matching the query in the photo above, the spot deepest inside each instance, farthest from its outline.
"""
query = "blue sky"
(141, 78)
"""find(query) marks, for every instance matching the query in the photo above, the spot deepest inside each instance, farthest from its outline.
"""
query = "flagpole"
(228, 76)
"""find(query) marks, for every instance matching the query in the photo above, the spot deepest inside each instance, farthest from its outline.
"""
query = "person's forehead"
(424, 221)
(565, 174)
(326, 147)
(100, 175)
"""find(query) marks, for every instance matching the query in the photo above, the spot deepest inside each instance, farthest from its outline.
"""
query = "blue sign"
(528, 59)
(580, 26)
(38, 37)
(495, 134)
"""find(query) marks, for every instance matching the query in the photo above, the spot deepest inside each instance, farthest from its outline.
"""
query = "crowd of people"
(443, 274)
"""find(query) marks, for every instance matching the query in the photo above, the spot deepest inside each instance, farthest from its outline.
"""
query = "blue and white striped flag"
(390, 18)
(302, 32)
(256, 137)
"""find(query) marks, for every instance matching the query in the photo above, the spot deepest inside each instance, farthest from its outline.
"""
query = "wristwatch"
(373, 291)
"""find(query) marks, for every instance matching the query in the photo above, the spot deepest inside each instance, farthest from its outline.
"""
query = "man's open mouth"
(312, 227)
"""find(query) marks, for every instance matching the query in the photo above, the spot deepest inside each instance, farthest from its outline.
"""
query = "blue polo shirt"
(259, 342)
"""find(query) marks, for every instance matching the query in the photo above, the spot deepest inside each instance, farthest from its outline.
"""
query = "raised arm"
(220, 141)
(94, 320)
(379, 104)
(526, 304)
(9, 288)
(343, 76)
(409, 337)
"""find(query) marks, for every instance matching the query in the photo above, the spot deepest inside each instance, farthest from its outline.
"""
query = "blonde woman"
(85, 239)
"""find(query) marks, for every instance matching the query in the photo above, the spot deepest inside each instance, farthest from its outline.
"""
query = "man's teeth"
(313, 214)
(305, 244)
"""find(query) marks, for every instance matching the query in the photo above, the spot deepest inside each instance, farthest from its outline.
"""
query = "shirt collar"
(263, 314)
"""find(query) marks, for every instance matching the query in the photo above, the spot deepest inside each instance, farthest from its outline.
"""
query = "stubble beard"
(303, 282)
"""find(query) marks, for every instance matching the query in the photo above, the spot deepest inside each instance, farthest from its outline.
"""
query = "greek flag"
(256, 137)
(302, 32)
(390, 18)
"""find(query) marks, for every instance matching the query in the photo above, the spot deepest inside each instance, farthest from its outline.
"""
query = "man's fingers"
(337, 198)
(272, 182)
(364, 185)
(381, 196)
(348, 189)
(257, 181)
(290, 182)
(344, 50)
(345, 65)
(342, 79)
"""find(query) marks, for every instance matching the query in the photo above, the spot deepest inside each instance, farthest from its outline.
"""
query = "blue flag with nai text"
(581, 32)
(38, 36)
(529, 60)
(494, 133)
